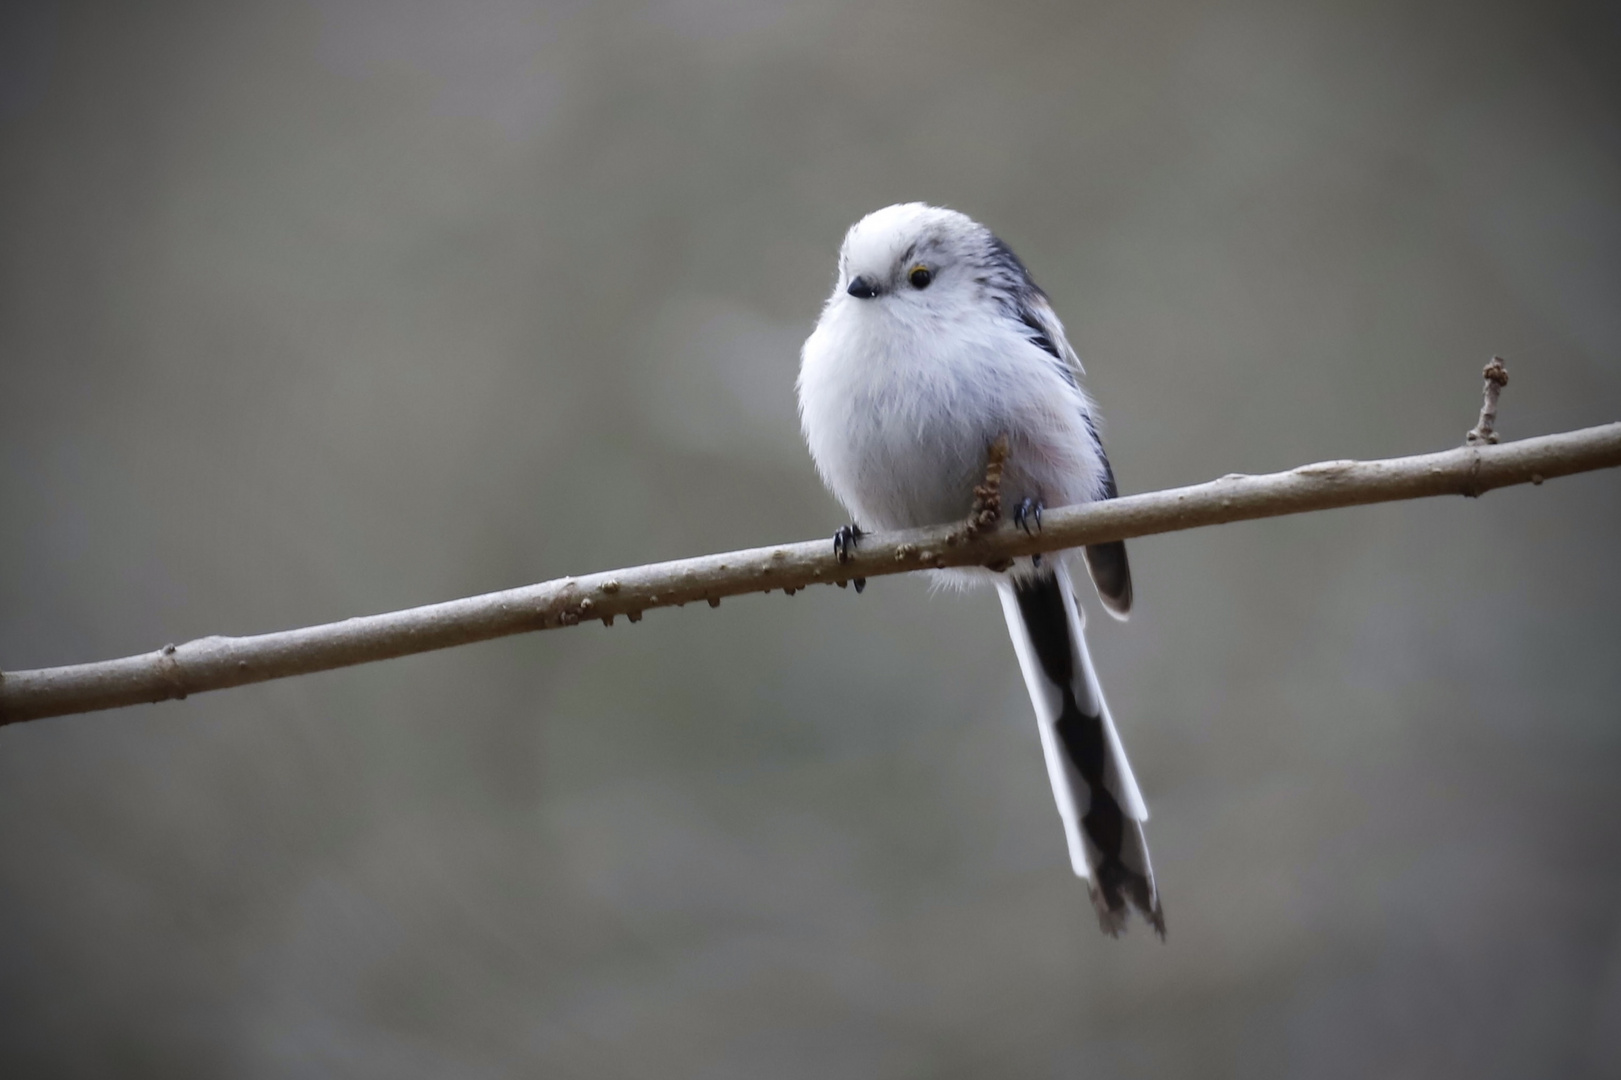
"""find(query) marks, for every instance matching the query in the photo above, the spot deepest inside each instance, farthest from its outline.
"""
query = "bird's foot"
(844, 545)
(844, 541)
(1028, 511)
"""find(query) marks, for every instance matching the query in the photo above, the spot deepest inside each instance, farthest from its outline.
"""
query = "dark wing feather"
(1107, 563)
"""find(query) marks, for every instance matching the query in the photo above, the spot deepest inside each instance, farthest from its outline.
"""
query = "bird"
(934, 346)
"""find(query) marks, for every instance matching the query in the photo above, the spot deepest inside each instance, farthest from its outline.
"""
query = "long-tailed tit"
(935, 344)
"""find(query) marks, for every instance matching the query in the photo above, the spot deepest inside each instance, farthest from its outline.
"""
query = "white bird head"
(916, 257)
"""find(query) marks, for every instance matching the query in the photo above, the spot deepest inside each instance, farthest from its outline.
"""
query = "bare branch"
(214, 663)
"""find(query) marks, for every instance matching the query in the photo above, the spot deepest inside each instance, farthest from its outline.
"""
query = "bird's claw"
(844, 546)
(844, 542)
(1027, 511)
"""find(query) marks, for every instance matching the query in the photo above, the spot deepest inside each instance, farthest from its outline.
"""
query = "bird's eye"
(920, 277)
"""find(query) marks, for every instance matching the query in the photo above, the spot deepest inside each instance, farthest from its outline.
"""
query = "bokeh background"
(311, 310)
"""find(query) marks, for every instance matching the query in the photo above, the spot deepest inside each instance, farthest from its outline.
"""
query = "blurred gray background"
(312, 310)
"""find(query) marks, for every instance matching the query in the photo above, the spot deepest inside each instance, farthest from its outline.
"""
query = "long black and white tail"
(1097, 796)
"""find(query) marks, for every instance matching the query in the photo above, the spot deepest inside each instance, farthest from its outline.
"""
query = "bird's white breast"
(899, 414)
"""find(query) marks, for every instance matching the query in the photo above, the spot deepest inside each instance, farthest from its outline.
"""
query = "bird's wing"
(1107, 563)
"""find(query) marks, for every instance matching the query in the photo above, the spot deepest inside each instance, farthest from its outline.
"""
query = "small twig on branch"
(986, 512)
(215, 663)
(987, 509)
(1485, 430)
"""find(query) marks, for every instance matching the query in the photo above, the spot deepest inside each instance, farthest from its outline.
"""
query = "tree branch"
(213, 663)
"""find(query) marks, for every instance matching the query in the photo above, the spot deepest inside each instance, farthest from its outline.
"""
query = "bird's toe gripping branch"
(1028, 513)
(844, 545)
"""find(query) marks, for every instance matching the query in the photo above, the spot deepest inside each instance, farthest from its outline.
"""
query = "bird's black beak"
(861, 289)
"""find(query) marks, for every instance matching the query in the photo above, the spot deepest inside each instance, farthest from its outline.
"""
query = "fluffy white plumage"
(900, 397)
(933, 344)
